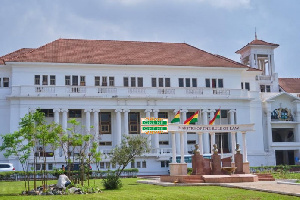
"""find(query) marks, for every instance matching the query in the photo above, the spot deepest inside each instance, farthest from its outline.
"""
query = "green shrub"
(112, 181)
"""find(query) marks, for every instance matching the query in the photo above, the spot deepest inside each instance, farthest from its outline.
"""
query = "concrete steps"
(265, 177)
(193, 179)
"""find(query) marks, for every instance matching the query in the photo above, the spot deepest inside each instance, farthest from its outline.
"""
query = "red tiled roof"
(258, 42)
(290, 85)
(123, 53)
(14, 54)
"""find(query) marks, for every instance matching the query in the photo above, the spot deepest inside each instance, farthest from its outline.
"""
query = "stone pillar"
(149, 136)
(182, 147)
(118, 134)
(96, 125)
(232, 135)
(205, 135)
(212, 135)
(87, 120)
(183, 116)
(173, 147)
(245, 158)
(177, 135)
(56, 121)
(200, 141)
(269, 66)
(126, 111)
(216, 164)
(269, 127)
(64, 127)
(155, 137)
(272, 64)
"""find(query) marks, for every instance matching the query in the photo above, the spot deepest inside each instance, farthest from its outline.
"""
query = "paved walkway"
(265, 186)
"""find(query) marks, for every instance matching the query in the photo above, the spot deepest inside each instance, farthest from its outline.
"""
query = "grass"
(133, 190)
(286, 175)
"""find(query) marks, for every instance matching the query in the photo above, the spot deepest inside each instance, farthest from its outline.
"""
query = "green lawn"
(134, 190)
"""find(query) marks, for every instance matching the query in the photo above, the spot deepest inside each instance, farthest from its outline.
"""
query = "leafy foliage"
(112, 181)
(130, 148)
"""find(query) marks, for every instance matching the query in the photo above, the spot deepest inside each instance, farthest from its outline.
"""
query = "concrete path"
(277, 186)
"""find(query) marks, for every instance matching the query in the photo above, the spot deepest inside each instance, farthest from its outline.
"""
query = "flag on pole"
(176, 118)
(192, 119)
(217, 116)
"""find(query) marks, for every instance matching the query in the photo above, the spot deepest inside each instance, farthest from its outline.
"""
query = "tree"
(130, 148)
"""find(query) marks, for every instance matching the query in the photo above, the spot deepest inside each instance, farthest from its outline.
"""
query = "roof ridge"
(135, 41)
(219, 56)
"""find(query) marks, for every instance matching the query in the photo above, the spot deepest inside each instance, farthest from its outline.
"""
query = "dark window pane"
(180, 82)
(5, 82)
(52, 80)
(242, 85)
(37, 79)
(45, 79)
(104, 81)
(67, 80)
(140, 81)
(111, 81)
(75, 113)
(187, 82)
(125, 81)
(74, 80)
(194, 82)
(97, 80)
(247, 86)
(160, 82)
(207, 82)
(223, 113)
(213, 83)
(153, 82)
(133, 82)
(167, 82)
(220, 83)
(268, 88)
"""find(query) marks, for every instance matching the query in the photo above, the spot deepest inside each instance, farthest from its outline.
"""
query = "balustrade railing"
(110, 92)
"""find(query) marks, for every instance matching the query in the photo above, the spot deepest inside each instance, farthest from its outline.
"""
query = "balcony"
(128, 92)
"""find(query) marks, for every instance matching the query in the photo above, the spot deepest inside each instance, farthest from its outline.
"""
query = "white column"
(269, 66)
(205, 135)
(96, 125)
(156, 136)
(212, 135)
(200, 141)
(245, 159)
(173, 147)
(182, 147)
(126, 111)
(232, 134)
(56, 121)
(64, 126)
(269, 128)
(183, 116)
(87, 120)
(149, 137)
(177, 136)
(118, 127)
(272, 63)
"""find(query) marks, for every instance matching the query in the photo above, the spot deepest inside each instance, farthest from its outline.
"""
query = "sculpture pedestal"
(197, 164)
(178, 169)
(238, 158)
(246, 168)
(216, 164)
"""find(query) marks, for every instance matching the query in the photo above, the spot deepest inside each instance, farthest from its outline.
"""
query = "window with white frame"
(161, 82)
(214, 83)
(5, 82)
(105, 123)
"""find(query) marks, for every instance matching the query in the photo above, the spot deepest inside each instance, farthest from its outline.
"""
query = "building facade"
(110, 85)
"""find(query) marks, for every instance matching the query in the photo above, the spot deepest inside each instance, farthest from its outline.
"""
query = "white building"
(112, 84)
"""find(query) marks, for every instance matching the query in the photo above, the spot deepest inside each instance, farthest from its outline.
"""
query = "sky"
(216, 26)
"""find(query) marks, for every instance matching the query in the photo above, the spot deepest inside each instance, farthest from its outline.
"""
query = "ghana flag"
(176, 118)
(192, 119)
(217, 116)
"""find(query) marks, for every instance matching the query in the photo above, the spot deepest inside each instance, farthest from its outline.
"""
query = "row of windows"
(108, 165)
(76, 80)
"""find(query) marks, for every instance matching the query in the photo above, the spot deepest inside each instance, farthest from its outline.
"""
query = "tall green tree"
(130, 148)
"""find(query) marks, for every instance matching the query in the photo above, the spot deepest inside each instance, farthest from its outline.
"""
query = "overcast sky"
(217, 26)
